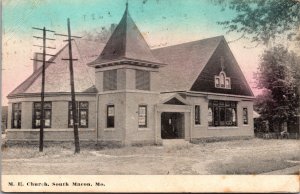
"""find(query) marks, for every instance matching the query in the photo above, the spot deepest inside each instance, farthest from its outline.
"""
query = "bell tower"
(128, 86)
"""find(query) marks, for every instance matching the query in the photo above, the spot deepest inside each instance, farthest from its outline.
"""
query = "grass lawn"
(254, 156)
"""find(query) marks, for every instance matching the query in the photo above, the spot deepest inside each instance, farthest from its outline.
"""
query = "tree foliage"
(101, 35)
(263, 20)
(277, 77)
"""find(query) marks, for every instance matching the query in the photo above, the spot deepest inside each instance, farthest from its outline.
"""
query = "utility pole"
(42, 118)
(74, 105)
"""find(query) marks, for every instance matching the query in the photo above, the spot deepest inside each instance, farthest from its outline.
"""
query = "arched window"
(222, 80)
(227, 83)
(217, 82)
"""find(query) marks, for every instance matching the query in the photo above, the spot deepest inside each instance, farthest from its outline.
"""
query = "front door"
(172, 125)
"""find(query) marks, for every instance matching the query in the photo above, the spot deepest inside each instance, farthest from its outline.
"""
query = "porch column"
(157, 130)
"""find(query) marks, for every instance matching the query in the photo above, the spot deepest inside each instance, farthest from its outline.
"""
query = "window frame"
(110, 118)
(140, 116)
(221, 81)
(247, 116)
(227, 107)
(19, 116)
(34, 116)
(197, 115)
(79, 109)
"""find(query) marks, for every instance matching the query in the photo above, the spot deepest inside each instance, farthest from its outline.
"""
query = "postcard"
(150, 96)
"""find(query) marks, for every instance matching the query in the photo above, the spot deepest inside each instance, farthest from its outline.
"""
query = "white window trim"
(144, 129)
(247, 116)
(223, 127)
(147, 122)
(225, 78)
(109, 129)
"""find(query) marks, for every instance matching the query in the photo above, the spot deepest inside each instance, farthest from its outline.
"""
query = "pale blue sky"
(20, 15)
(164, 22)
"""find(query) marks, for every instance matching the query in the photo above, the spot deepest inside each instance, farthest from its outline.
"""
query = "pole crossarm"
(35, 28)
(43, 38)
(46, 54)
(68, 40)
(42, 61)
(65, 35)
(45, 47)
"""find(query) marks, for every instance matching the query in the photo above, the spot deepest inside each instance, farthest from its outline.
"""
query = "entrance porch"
(172, 122)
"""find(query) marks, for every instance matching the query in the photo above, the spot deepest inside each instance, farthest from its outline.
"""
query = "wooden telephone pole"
(74, 105)
(42, 118)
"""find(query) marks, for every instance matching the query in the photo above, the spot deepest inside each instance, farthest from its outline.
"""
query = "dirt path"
(234, 157)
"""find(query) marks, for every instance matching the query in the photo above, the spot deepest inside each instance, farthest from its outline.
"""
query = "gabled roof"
(222, 60)
(165, 98)
(57, 77)
(126, 42)
(185, 62)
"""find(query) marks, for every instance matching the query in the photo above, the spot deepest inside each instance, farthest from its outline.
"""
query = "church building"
(130, 94)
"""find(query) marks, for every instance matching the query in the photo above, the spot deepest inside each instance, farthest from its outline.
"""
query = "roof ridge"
(125, 37)
(185, 43)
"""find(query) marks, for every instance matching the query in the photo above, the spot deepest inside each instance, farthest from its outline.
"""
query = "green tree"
(101, 35)
(263, 20)
(276, 76)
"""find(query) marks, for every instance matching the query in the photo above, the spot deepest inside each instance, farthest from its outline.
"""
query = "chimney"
(37, 64)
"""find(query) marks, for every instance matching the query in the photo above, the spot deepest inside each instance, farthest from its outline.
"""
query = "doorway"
(172, 125)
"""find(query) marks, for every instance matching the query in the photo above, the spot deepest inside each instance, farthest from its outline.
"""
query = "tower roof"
(126, 43)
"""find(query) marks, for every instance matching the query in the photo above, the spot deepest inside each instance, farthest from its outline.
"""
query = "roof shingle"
(57, 76)
(185, 62)
(126, 42)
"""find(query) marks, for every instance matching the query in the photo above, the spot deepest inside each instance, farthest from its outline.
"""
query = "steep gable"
(126, 42)
(205, 82)
(185, 62)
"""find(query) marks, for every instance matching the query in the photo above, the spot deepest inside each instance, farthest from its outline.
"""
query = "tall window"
(222, 113)
(142, 116)
(36, 121)
(16, 115)
(110, 80)
(222, 80)
(217, 82)
(245, 116)
(142, 80)
(197, 115)
(110, 119)
(83, 111)
(227, 83)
